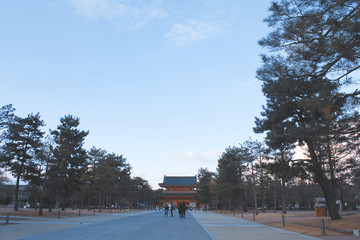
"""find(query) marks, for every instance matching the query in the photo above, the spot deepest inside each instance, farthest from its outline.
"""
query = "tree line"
(309, 76)
(60, 172)
(252, 176)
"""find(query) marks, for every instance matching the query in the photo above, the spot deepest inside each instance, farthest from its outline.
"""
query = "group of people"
(181, 208)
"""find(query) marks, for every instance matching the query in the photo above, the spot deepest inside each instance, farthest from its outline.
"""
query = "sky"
(167, 84)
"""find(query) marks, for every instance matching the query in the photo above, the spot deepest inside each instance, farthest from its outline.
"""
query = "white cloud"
(191, 155)
(188, 169)
(187, 155)
(164, 154)
(119, 12)
(192, 31)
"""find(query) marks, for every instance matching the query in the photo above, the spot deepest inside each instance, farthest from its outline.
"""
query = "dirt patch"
(68, 213)
(306, 223)
(46, 214)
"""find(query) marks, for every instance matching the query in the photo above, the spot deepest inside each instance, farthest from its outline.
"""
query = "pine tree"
(69, 156)
(204, 192)
(232, 164)
(18, 154)
(317, 46)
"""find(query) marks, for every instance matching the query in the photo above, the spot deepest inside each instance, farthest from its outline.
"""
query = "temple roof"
(170, 194)
(179, 181)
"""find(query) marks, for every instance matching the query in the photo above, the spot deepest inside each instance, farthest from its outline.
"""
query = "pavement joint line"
(214, 221)
(229, 225)
(255, 224)
(49, 223)
(303, 235)
(234, 221)
(210, 235)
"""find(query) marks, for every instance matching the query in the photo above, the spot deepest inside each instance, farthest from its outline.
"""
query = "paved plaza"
(146, 225)
(222, 227)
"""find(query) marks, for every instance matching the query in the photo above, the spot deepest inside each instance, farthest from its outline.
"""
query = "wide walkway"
(221, 227)
(133, 225)
(146, 225)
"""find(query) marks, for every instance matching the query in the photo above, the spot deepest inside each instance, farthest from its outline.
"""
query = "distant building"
(178, 189)
(7, 194)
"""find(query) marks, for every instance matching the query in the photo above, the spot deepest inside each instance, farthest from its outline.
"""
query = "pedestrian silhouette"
(172, 210)
(182, 209)
(166, 210)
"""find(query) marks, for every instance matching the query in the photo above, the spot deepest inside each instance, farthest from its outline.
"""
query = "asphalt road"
(151, 225)
(147, 225)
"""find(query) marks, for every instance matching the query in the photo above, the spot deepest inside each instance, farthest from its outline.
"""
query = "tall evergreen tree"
(108, 177)
(95, 156)
(283, 168)
(18, 154)
(204, 192)
(230, 173)
(40, 179)
(69, 161)
(318, 51)
(141, 192)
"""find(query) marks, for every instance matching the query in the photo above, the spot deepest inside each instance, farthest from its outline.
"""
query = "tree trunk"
(283, 187)
(244, 204)
(324, 183)
(36, 202)
(255, 200)
(331, 166)
(330, 199)
(231, 204)
(100, 199)
(41, 202)
(16, 205)
(63, 203)
(275, 196)
(89, 204)
(51, 202)
(262, 187)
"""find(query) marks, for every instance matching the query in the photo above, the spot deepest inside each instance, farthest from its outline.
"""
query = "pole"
(322, 227)
(261, 185)
(283, 220)
(253, 175)
(275, 196)
(7, 217)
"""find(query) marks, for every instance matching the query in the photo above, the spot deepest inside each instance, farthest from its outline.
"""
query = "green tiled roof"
(179, 181)
(176, 194)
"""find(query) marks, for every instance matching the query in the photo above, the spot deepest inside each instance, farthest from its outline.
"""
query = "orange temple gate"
(178, 190)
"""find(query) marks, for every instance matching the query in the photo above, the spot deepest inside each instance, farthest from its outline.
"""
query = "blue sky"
(168, 84)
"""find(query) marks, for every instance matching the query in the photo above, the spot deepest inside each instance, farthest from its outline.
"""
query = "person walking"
(166, 210)
(180, 210)
(172, 207)
(184, 210)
